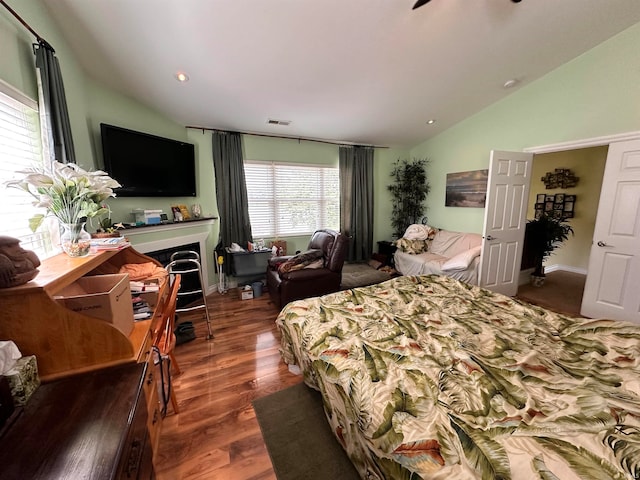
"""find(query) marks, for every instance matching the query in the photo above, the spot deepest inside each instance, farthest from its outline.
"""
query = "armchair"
(286, 286)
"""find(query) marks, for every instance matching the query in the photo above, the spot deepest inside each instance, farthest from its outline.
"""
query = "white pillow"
(417, 232)
(462, 260)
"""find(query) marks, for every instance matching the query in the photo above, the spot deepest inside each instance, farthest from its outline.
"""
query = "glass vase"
(75, 240)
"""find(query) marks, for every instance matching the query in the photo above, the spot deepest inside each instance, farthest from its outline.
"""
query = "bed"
(427, 377)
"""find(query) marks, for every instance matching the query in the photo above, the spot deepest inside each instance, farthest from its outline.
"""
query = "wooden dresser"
(75, 348)
(92, 426)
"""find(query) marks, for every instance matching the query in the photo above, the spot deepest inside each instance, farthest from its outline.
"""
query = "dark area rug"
(298, 437)
(362, 274)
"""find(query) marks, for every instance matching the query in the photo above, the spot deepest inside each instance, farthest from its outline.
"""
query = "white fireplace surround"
(176, 241)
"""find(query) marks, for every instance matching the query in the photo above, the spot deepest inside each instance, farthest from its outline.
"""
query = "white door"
(612, 289)
(504, 220)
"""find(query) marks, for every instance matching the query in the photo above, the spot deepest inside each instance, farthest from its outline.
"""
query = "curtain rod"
(41, 40)
(285, 137)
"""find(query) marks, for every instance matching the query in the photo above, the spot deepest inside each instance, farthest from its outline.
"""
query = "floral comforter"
(427, 377)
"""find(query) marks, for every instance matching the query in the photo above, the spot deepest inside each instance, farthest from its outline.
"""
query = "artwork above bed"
(429, 378)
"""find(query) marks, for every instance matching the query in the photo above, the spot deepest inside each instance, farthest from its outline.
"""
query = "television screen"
(146, 165)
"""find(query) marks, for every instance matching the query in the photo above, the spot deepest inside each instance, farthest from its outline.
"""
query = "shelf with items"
(166, 223)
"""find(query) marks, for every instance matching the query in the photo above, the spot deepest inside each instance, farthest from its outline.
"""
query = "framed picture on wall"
(540, 198)
(568, 206)
(466, 189)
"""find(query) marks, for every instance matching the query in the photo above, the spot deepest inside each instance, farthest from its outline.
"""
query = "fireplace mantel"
(184, 233)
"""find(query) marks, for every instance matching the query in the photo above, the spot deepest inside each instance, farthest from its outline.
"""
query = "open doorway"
(566, 268)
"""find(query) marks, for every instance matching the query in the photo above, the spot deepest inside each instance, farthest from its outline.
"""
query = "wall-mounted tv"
(146, 165)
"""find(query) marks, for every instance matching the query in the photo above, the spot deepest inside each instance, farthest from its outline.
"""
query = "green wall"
(91, 103)
(594, 95)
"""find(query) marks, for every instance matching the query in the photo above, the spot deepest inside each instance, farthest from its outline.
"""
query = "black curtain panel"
(231, 190)
(356, 200)
(54, 102)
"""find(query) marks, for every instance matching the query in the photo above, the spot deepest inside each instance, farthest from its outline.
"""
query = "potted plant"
(106, 227)
(543, 236)
(409, 190)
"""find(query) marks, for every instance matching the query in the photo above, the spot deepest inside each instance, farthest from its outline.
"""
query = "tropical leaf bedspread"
(427, 377)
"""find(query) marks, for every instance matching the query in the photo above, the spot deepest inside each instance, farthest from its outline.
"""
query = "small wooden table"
(386, 249)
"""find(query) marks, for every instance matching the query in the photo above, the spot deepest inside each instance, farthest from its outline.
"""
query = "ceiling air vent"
(285, 123)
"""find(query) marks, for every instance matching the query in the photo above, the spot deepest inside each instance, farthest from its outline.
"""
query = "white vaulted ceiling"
(361, 71)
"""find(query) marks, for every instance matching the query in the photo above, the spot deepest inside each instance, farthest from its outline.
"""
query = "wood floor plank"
(216, 435)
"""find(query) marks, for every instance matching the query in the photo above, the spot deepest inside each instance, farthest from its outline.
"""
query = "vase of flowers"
(74, 239)
(70, 194)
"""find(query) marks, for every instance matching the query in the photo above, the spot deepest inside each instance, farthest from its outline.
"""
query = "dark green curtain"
(231, 190)
(356, 200)
(55, 103)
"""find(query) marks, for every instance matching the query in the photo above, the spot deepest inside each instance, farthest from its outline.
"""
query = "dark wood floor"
(216, 434)
(562, 292)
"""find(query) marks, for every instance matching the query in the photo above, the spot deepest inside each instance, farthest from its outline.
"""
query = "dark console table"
(386, 249)
(91, 426)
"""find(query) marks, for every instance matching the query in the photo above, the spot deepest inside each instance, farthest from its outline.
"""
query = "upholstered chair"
(316, 272)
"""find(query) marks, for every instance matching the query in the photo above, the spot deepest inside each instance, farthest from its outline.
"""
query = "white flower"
(67, 191)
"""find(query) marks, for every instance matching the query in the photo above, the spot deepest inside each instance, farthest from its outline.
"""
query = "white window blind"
(20, 148)
(290, 199)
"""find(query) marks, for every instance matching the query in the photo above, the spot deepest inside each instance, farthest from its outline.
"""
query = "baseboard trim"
(565, 268)
(523, 279)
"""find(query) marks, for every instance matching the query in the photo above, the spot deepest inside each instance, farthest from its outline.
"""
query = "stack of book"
(140, 287)
(109, 243)
(141, 308)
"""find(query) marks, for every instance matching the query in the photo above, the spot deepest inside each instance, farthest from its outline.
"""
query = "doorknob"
(602, 244)
(489, 238)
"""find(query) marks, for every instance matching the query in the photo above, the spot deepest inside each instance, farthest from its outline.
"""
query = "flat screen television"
(146, 165)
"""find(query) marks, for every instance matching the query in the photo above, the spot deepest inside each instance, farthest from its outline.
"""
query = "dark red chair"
(309, 282)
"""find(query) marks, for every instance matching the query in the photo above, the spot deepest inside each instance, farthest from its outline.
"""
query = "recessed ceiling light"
(510, 83)
(431, 122)
(182, 77)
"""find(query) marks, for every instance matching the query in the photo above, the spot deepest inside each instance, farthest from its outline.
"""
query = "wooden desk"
(68, 343)
(65, 342)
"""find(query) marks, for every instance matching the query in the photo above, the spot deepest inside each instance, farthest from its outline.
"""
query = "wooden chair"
(164, 337)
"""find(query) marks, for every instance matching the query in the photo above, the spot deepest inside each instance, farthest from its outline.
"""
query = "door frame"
(583, 143)
(578, 144)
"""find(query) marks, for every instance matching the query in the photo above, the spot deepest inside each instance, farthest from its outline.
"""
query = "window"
(20, 148)
(289, 199)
